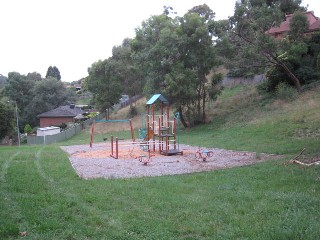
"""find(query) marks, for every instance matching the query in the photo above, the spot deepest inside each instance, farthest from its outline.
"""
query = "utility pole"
(17, 118)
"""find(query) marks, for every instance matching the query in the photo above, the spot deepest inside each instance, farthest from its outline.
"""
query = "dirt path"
(96, 162)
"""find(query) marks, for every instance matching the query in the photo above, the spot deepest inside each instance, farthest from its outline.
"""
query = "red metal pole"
(153, 138)
(117, 148)
(111, 146)
(159, 135)
(92, 133)
(148, 121)
(162, 115)
(174, 132)
(168, 112)
(132, 132)
(167, 145)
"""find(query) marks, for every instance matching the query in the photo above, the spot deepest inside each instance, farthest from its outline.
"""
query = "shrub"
(307, 74)
(63, 126)
(132, 111)
(93, 114)
(285, 92)
(27, 129)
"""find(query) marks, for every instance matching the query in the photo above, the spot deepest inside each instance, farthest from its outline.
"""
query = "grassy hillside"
(242, 119)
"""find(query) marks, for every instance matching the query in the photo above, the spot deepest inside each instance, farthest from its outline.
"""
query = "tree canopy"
(35, 95)
(117, 75)
(53, 72)
(249, 49)
(6, 119)
(175, 55)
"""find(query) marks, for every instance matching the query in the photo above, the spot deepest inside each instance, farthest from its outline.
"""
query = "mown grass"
(41, 194)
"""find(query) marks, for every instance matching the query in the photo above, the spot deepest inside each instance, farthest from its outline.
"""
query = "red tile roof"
(314, 24)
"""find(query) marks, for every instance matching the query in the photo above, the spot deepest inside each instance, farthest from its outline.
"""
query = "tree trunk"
(204, 106)
(183, 121)
(199, 101)
(290, 74)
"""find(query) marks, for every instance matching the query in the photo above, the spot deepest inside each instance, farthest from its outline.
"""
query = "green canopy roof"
(156, 97)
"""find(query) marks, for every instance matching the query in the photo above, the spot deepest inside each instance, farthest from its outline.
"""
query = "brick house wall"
(54, 121)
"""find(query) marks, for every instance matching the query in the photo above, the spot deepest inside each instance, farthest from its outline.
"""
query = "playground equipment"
(159, 131)
(111, 121)
(203, 154)
(145, 159)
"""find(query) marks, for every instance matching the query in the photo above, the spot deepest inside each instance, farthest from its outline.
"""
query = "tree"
(27, 129)
(199, 54)
(6, 119)
(127, 72)
(253, 49)
(114, 76)
(176, 55)
(103, 83)
(48, 94)
(298, 26)
(53, 72)
(34, 76)
(34, 95)
(19, 89)
(3, 81)
(148, 53)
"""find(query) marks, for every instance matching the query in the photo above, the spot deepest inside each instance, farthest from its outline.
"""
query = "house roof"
(62, 111)
(314, 24)
(156, 97)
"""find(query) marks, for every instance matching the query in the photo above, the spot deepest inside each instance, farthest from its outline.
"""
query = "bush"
(132, 112)
(93, 114)
(27, 129)
(307, 74)
(63, 126)
(303, 70)
(285, 92)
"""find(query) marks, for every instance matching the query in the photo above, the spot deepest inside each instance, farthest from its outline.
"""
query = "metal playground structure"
(159, 134)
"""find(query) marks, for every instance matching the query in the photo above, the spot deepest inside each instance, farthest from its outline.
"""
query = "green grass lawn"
(41, 194)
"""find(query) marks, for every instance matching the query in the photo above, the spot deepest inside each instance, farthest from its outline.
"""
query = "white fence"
(68, 133)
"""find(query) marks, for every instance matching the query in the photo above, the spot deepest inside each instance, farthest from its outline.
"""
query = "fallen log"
(296, 157)
(305, 164)
(295, 161)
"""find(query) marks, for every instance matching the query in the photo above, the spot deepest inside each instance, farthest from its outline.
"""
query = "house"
(59, 115)
(283, 29)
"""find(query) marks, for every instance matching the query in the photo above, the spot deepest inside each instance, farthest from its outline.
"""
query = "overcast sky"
(73, 34)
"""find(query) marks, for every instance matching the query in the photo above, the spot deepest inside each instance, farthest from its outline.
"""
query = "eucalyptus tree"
(103, 83)
(176, 54)
(48, 93)
(3, 81)
(127, 72)
(19, 89)
(244, 40)
(34, 95)
(117, 75)
(6, 119)
(149, 54)
(53, 72)
(198, 53)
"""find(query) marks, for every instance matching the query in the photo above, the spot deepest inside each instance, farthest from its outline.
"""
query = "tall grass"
(243, 120)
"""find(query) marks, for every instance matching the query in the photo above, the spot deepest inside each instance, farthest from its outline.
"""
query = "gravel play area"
(96, 162)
